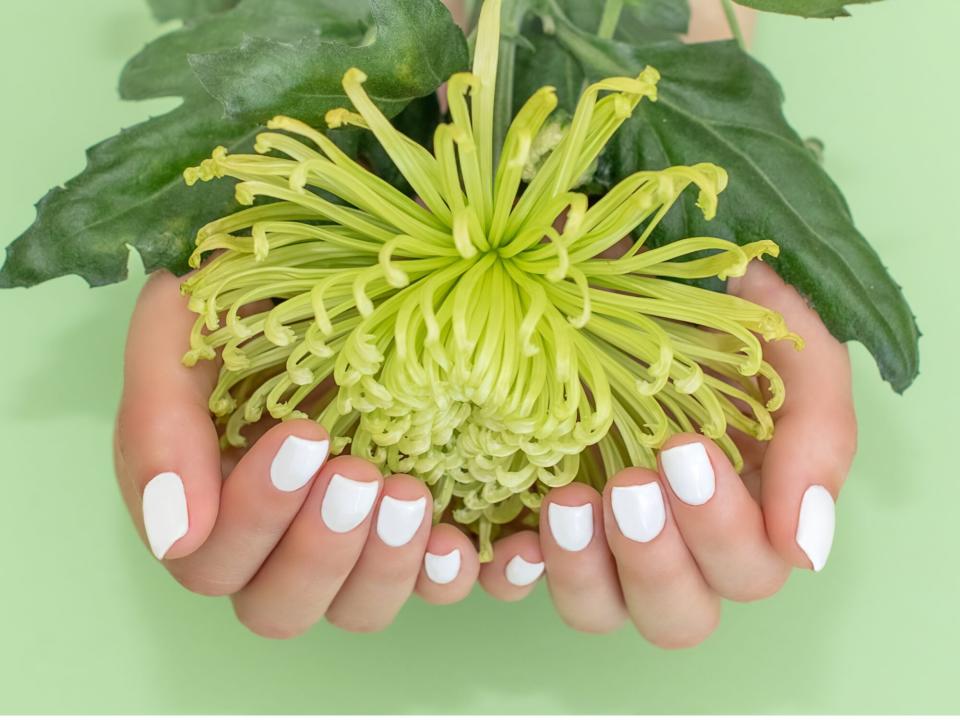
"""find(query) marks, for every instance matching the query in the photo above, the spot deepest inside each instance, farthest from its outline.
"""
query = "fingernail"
(818, 520)
(572, 527)
(164, 512)
(399, 520)
(689, 473)
(442, 569)
(296, 462)
(521, 573)
(639, 511)
(347, 503)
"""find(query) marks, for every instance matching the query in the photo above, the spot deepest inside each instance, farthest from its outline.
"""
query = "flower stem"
(733, 22)
(503, 108)
(610, 18)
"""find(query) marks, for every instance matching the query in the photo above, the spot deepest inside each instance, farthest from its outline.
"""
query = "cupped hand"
(662, 548)
(291, 536)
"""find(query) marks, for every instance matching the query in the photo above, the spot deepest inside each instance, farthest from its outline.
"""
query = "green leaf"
(718, 105)
(549, 63)
(668, 15)
(543, 61)
(640, 21)
(187, 10)
(162, 68)
(416, 48)
(131, 195)
(805, 8)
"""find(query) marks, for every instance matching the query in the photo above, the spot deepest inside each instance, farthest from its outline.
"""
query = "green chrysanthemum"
(467, 340)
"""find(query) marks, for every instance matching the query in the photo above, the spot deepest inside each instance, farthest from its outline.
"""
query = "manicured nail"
(521, 573)
(165, 512)
(442, 569)
(399, 520)
(689, 473)
(572, 527)
(347, 503)
(296, 462)
(818, 520)
(639, 511)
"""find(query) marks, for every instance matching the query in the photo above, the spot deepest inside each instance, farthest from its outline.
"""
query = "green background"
(89, 624)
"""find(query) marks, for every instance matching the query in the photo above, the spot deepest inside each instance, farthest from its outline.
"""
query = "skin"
(285, 571)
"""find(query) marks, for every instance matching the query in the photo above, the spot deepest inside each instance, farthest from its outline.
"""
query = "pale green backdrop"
(88, 623)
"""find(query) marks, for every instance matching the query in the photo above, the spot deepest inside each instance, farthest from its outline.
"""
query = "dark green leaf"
(132, 195)
(416, 48)
(719, 105)
(548, 64)
(640, 21)
(668, 15)
(162, 69)
(805, 8)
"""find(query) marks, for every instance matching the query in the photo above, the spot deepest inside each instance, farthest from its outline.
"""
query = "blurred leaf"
(805, 8)
(187, 10)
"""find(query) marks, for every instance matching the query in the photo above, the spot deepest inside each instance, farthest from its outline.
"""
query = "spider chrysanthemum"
(464, 338)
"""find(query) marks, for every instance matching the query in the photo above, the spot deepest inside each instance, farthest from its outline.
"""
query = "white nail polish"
(639, 511)
(296, 462)
(689, 473)
(165, 512)
(399, 520)
(818, 520)
(347, 503)
(572, 527)
(442, 569)
(521, 573)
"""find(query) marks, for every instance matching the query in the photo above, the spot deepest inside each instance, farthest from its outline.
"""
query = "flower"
(465, 339)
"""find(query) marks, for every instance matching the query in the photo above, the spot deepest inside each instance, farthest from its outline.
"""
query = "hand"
(662, 548)
(291, 537)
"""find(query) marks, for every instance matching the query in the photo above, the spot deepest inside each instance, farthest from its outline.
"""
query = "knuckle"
(646, 575)
(396, 575)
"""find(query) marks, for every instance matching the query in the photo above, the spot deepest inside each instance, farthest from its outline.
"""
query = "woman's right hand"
(289, 535)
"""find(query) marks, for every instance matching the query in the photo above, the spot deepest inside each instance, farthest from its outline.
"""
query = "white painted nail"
(296, 462)
(347, 503)
(818, 520)
(572, 527)
(639, 511)
(521, 573)
(442, 569)
(165, 512)
(399, 520)
(689, 473)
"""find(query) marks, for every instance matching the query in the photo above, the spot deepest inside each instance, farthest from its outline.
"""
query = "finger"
(167, 450)
(720, 523)
(294, 587)
(260, 499)
(389, 565)
(812, 450)
(581, 573)
(516, 567)
(450, 567)
(666, 595)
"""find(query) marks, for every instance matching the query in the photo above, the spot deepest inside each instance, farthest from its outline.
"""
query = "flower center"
(471, 339)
